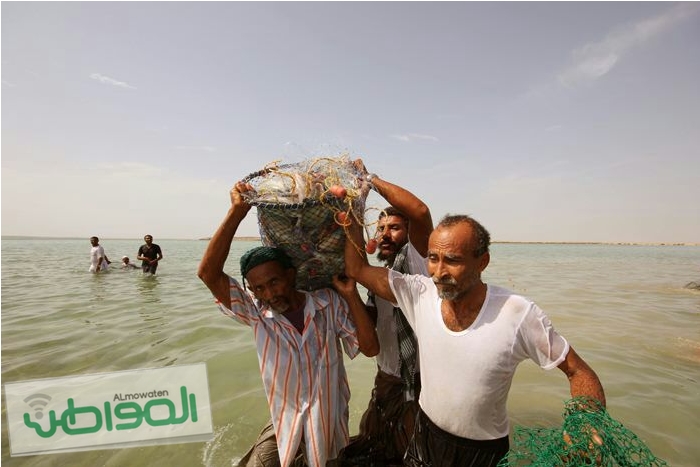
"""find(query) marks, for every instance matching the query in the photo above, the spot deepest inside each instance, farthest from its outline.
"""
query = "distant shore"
(34, 237)
(604, 243)
(257, 239)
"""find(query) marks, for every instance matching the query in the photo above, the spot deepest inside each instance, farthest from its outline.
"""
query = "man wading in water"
(299, 336)
(386, 426)
(149, 254)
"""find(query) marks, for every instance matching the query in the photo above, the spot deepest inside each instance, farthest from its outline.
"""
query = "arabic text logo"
(78, 420)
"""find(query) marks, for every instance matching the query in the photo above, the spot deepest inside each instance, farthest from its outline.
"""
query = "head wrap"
(263, 254)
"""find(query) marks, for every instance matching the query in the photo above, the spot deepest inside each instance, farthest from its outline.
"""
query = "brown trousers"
(264, 452)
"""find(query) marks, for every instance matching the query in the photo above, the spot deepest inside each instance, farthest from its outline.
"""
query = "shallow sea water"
(623, 307)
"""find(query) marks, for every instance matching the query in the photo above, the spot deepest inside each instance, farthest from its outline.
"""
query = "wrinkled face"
(273, 285)
(94, 241)
(392, 234)
(451, 262)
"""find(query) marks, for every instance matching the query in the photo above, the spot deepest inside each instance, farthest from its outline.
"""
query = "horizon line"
(257, 238)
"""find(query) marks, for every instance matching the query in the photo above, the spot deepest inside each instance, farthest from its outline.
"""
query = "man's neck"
(461, 313)
(389, 262)
(295, 313)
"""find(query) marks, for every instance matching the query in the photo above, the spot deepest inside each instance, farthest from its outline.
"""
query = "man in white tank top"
(471, 336)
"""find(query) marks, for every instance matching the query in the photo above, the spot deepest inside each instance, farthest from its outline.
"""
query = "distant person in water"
(98, 258)
(127, 264)
(149, 254)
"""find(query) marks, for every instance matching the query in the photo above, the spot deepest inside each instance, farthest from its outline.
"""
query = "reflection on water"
(98, 286)
(148, 288)
(153, 316)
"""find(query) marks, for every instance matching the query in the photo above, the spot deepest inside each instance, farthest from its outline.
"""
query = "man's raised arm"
(357, 267)
(420, 221)
(211, 268)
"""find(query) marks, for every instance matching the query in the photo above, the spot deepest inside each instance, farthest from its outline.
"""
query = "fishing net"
(302, 208)
(588, 437)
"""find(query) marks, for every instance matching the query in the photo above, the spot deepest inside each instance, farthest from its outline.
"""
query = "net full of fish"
(302, 208)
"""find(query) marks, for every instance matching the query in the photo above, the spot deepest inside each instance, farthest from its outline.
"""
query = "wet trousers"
(386, 426)
(434, 447)
(264, 452)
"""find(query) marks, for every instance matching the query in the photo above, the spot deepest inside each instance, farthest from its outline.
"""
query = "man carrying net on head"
(298, 333)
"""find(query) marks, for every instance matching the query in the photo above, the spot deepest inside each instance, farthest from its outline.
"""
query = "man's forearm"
(366, 332)
(218, 249)
(417, 212)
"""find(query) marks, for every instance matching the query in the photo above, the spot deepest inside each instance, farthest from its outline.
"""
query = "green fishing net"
(589, 436)
(300, 211)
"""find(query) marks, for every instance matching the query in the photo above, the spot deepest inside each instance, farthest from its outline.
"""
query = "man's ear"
(485, 259)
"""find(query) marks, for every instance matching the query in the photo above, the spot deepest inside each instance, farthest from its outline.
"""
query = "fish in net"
(303, 208)
(588, 437)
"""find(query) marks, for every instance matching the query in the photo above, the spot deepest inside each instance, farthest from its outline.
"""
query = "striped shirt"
(304, 375)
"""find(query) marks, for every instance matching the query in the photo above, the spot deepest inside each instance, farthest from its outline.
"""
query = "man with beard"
(472, 336)
(298, 336)
(387, 425)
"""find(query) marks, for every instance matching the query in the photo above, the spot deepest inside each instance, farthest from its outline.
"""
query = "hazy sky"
(545, 121)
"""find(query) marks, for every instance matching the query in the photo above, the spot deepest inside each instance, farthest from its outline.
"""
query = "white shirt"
(466, 375)
(95, 253)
